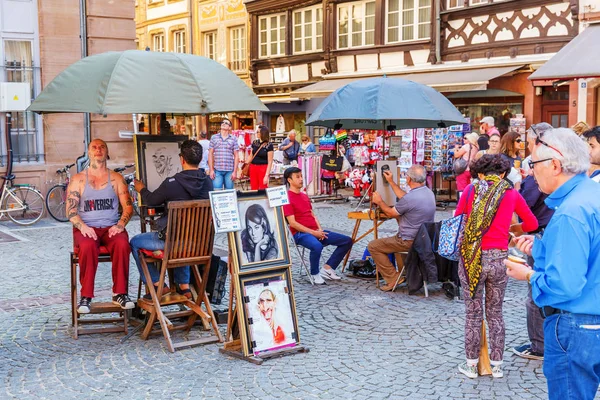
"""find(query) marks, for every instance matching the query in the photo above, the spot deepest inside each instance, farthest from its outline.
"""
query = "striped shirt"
(224, 152)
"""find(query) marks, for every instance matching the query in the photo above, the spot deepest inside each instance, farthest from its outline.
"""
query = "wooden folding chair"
(189, 241)
(96, 307)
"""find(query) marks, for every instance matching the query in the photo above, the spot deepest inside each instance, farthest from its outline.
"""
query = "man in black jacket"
(189, 184)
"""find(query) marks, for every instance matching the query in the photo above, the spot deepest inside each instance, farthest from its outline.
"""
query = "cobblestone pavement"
(363, 343)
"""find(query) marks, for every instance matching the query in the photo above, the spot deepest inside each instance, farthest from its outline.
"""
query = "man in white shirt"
(204, 142)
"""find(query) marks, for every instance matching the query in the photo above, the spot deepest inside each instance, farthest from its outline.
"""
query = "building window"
(158, 42)
(308, 30)
(237, 36)
(455, 3)
(210, 45)
(408, 20)
(474, 2)
(271, 40)
(356, 24)
(25, 136)
(179, 41)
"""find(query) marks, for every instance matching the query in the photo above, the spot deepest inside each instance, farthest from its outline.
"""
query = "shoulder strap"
(254, 154)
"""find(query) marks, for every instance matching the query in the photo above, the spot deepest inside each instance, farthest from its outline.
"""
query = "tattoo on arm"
(73, 199)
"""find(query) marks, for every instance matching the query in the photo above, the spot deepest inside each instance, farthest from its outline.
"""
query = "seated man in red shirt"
(307, 230)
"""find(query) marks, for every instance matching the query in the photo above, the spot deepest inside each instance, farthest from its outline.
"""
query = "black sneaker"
(123, 301)
(84, 305)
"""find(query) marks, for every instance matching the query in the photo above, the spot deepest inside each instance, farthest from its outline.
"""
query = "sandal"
(186, 292)
(165, 291)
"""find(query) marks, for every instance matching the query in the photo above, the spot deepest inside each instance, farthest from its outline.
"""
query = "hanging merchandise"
(280, 127)
(331, 163)
(341, 135)
(327, 142)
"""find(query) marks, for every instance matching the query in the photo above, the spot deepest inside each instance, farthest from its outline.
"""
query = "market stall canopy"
(580, 58)
(443, 81)
(146, 82)
(376, 103)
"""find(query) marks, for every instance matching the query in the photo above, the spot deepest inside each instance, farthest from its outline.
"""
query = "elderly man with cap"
(467, 152)
(534, 198)
(566, 272)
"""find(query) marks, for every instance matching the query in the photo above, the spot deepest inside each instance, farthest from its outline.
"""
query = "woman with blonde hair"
(307, 146)
(580, 127)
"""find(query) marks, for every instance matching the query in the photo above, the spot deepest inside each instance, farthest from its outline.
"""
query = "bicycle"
(129, 180)
(56, 199)
(23, 204)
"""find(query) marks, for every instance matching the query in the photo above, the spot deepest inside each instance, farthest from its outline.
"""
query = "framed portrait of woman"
(262, 241)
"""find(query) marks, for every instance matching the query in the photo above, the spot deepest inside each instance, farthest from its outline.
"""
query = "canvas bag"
(331, 163)
(327, 141)
(451, 234)
(460, 164)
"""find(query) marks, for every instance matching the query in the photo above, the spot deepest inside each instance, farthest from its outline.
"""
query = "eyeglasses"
(226, 123)
(532, 163)
(518, 140)
(540, 141)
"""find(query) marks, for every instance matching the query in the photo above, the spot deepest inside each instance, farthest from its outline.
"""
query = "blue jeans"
(222, 178)
(315, 246)
(150, 241)
(572, 356)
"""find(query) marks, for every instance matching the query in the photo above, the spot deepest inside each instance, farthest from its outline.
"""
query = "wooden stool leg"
(354, 233)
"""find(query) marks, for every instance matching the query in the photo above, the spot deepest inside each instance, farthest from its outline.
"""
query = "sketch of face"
(266, 305)
(256, 231)
(162, 161)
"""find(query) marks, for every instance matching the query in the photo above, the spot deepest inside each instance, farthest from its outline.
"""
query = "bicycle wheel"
(134, 198)
(56, 201)
(24, 205)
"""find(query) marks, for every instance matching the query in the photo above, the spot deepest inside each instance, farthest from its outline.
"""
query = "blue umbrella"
(376, 103)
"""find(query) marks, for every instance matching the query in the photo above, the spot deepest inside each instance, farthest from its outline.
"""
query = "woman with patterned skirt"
(489, 205)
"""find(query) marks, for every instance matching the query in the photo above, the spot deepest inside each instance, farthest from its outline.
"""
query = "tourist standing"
(223, 157)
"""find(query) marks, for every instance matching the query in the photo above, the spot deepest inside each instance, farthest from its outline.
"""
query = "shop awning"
(443, 81)
(580, 58)
(484, 94)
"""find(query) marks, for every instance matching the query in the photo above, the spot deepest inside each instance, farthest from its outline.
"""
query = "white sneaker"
(497, 371)
(330, 274)
(469, 370)
(318, 279)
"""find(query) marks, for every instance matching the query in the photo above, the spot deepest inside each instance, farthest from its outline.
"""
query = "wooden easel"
(233, 345)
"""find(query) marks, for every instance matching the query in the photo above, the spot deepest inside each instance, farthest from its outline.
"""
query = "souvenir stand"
(262, 321)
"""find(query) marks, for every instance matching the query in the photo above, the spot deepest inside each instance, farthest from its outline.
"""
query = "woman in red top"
(489, 204)
(260, 167)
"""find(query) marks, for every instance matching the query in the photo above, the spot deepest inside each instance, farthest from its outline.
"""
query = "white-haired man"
(566, 275)
(412, 209)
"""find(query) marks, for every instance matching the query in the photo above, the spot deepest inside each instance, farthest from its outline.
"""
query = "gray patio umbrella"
(375, 103)
(146, 82)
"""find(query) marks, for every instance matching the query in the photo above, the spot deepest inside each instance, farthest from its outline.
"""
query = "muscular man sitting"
(93, 199)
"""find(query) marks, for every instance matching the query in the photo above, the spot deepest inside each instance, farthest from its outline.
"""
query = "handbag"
(327, 141)
(330, 163)
(452, 231)
(246, 165)
(460, 164)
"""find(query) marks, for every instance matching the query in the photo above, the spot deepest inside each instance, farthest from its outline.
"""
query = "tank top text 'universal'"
(99, 208)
